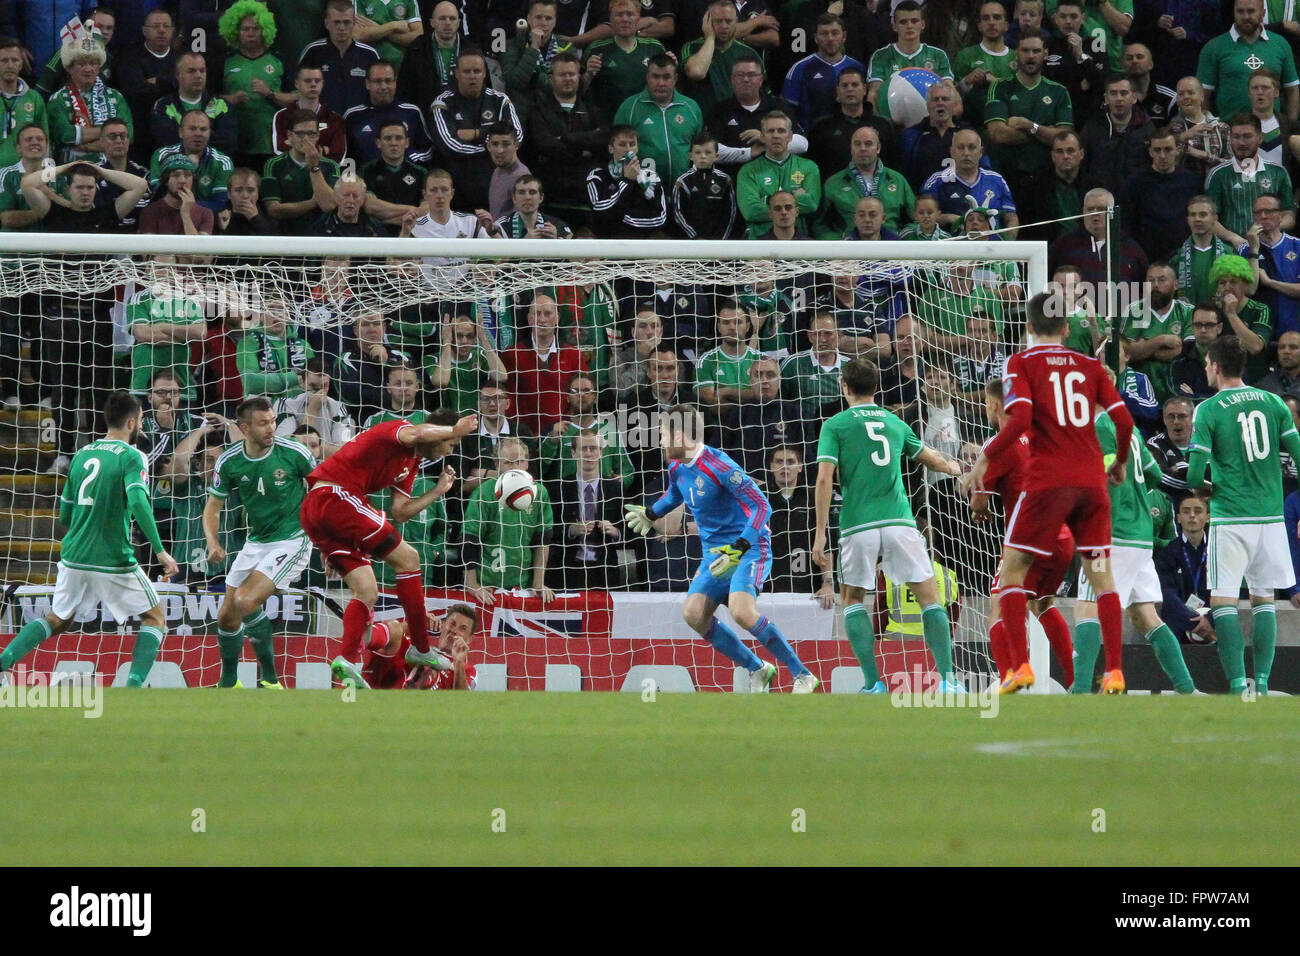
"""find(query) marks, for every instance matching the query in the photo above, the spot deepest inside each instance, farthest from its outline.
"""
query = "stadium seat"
(739, 681)
(247, 674)
(490, 677)
(846, 680)
(668, 679)
(68, 668)
(563, 677)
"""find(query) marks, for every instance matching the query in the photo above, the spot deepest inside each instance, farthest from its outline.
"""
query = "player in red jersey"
(1052, 392)
(389, 640)
(1006, 478)
(350, 533)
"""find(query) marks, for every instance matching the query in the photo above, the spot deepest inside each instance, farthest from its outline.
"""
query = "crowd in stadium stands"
(674, 119)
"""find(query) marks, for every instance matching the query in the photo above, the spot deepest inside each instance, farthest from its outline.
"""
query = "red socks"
(410, 592)
(378, 637)
(1014, 603)
(1111, 616)
(1058, 635)
(998, 647)
(356, 618)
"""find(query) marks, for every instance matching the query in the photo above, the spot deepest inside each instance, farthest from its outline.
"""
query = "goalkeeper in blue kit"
(731, 514)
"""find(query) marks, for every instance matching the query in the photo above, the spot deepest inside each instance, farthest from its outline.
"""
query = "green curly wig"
(1231, 267)
(229, 22)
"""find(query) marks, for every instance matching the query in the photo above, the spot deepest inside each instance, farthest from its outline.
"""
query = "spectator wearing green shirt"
(1247, 319)
(20, 105)
(1154, 328)
(77, 112)
(253, 78)
(664, 119)
(945, 304)
(1022, 116)
(212, 168)
(865, 176)
(1194, 257)
(298, 185)
(163, 321)
(33, 149)
(272, 357)
(1236, 184)
(707, 62)
(505, 548)
(1227, 61)
(812, 378)
(466, 361)
(390, 26)
(777, 170)
(614, 67)
(526, 62)
(556, 451)
(722, 374)
(979, 66)
(1083, 331)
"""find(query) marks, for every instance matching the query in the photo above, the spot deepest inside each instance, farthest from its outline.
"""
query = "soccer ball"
(906, 94)
(516, 489)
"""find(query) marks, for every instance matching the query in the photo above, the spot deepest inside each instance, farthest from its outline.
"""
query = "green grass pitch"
(304, 777)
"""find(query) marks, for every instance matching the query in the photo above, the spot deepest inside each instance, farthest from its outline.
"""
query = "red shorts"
(1038, 515)
(386, 672)
(346, 529)
(1045, 576)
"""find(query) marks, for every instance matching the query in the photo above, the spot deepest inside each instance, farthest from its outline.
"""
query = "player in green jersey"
(867, 445)
(266, 472)
(1132, 539)
(1239, 432)
(107, 485)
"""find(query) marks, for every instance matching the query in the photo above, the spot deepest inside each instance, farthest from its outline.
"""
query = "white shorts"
(1256, 552)
(1134, 571)
(901, 551)
(281, 561)
(123, 595)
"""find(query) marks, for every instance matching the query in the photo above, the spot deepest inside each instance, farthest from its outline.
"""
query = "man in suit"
(591, 509)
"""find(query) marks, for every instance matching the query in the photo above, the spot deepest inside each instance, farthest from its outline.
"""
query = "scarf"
(94, 114)
(1219, 247)
(868, 187)
(517, 227)
(443, 62)
(294, 349)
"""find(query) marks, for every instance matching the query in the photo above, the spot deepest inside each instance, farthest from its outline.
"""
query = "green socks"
(147, 642)
(260, 634)
(1263, 641)
(938, 637)
(1232, 647)
(230, 644)
(1087, 644)
(1170, 656)
(33, 633)
(862, 638)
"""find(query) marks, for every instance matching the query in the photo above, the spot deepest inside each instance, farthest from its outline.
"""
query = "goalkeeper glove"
(728, 556)
(637, 519)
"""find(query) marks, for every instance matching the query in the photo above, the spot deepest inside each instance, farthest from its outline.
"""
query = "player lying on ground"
(866, 444)
(1238, 433)
(1132, 534)
(1052, 392)
(1006, 479)
(386, 648)
(731, 515)
(267, 474)
(107, 486)
(350, 533)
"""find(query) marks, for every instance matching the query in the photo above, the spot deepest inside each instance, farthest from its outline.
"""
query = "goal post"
(200, 307)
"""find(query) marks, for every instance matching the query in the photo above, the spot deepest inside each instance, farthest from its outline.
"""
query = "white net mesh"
(418, 326)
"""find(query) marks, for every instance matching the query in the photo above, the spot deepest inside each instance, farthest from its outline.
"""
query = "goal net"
(570, 352)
